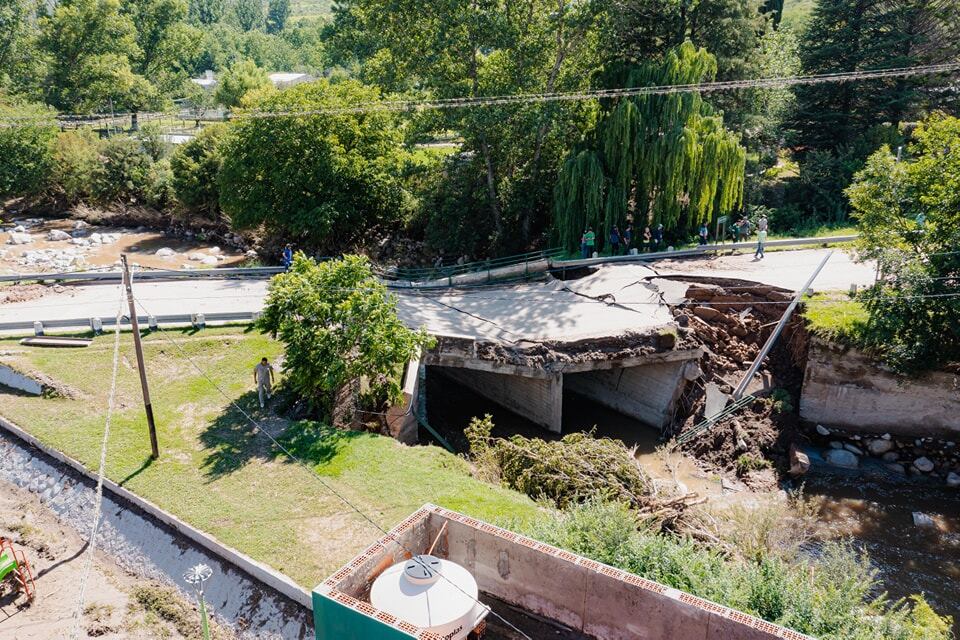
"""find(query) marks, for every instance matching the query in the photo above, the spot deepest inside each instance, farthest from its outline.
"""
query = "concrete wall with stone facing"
(845, 388)
(587, 596)
(540, 400)
(647, 393)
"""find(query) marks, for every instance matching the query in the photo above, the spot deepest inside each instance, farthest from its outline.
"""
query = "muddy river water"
(877, 517)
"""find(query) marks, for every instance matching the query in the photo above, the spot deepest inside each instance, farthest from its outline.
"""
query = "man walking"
(589, 242)
(658, 237)
(263, 377)
(627, 238)
(614, 241)
(761, 236)
(287, 257)
(704, 234)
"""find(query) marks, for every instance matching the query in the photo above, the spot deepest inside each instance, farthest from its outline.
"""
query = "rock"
(885, 436)
(836, 444)
(890, 456)
(855, 437)
(209, 260)
(165, 252)
(57, 235)
(879, 446)
(897, 468)
(213, 250)
(96, 238)
(709, 314)
(19, 229)
(923, 464)
(922, 520)
(822, 430)
(842, 458)
(251, 254)
(80, 242)
(19, 238)
(80, 224)
(857, 451)
(195, 256)
(953, 480)
(799, 462)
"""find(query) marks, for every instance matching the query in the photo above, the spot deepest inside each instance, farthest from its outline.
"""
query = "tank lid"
(422, 569)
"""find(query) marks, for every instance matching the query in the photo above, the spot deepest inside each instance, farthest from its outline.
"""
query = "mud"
(26, 292)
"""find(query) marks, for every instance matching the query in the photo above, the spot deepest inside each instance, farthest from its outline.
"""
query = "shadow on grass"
(133, 474)
(232, 442)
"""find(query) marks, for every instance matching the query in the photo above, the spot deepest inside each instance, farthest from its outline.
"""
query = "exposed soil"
(27, 292)
(732, 323)
(116, 604)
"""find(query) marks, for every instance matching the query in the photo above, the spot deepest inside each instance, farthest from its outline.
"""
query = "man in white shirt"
(263, 377)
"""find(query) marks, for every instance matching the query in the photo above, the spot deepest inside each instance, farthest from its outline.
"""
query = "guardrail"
(152, 274)
(143, 320)
(451, 271)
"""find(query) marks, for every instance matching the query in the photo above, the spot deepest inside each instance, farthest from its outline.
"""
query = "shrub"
(196, 170)
(26, 150)
(76, 162)
(128, 174)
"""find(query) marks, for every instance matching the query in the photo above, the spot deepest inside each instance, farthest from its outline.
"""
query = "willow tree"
(659, 159)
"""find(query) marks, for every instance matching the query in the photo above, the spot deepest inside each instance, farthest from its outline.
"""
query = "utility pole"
(154, 447)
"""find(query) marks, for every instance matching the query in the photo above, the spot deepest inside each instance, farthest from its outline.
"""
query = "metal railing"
(479, 266)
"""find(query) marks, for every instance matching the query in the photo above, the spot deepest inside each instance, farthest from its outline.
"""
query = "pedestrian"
(287, 258)
(761, 236)
(263, 377)
(658, 237)
(647, 238)
(614, 241)
(704, 234)
(735, 230)
(590, 241)
(627, 238)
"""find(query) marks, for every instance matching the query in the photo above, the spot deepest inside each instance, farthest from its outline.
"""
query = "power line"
(258, 429)
(522, 98)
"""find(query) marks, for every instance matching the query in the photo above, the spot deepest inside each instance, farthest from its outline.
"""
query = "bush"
(76, 162)
(196, 170)
(828, 596)
(128, 175)
(26, 150)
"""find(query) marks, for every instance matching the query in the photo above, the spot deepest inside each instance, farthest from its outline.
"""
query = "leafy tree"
(76, 163)
(90, 44)
(239, 80)
(248, 14)
(338, 324)
(26, 149)
(128, 174)
(328, 179)
(206, 12)
(278, 12)
(658, 159)
(196, 170)
(19, 61)
(166, 45)
(909, 219)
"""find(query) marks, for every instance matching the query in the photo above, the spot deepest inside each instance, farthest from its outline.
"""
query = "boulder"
(799, 462)
(80, 224)
(879, 446)
(890, 456)
(822, 430)
(923, 464)
(57, 235)
(953, 480)
(842, 458)
(80, 242)
(896, 468)
(709, 314)
(195, 256)
(165, 252)
(209, 261)
(213, 250)
(19, 238)
(96, 238)
(921, 519)
(836, 444)
(857, 451)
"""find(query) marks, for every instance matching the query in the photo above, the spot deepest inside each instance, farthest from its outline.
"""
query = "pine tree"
(661, 159)
(278, 12)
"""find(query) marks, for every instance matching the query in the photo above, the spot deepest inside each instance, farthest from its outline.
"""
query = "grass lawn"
(217, 475)
(836, 317)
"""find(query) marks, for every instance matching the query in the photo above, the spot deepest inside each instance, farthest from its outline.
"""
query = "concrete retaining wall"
(647, 393)
(148, 541)
(12, 378)
(845, 388)
(540, 400)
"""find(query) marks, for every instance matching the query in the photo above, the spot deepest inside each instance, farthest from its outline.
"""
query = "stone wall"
(847, 389)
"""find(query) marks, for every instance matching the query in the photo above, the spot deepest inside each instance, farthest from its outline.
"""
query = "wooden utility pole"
(155, 449)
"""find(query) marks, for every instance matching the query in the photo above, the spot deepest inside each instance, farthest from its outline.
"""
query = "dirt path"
(116, 604)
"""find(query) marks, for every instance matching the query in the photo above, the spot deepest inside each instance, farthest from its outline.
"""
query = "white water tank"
(431, 593)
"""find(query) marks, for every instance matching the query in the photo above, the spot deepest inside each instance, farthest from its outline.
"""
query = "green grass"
(217, 475)
(836, 317)
(797, 13)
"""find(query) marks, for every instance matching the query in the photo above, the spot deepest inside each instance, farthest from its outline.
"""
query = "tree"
(206, 12)
(278, 12)
(338, 324)
(239, 80)
(656, 158)
(248, 14)
(18, 59)
(26, 149)
(196, 170)
(165, 43)
(908, 214)
(90, 44)
(327, 179)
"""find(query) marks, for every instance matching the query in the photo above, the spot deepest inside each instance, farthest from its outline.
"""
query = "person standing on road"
(263, 377)
(647, 239)
(627, 238)
(287, 258)
(657, 237)
(704, 234)
(761, 236)
(589, 241)
(735, 230)
(615, 241)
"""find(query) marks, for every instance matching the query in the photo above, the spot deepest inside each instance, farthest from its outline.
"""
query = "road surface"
(614, 300)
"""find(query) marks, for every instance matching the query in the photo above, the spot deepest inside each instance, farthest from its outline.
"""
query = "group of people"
(621, 241)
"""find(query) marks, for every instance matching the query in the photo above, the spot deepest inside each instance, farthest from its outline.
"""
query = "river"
(875, 516)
